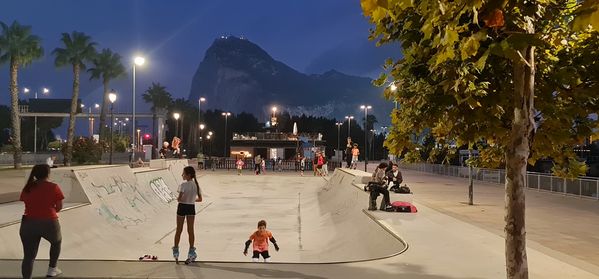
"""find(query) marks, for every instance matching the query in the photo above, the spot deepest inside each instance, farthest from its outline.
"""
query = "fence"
(270, 165)
(584, 187)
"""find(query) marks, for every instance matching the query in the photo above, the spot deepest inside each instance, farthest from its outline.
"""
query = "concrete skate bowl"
(125, 211)
(132, 213)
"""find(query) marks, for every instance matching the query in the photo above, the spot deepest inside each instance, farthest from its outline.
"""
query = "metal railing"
(584, 187)
(270, 165)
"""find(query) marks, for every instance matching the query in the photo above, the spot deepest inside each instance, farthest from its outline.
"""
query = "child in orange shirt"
(260, 240)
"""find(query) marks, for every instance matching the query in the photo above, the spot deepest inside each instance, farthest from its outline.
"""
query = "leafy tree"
(107, 66)
(471, 73)
(18, 47)
(160, 100)
(78, 50)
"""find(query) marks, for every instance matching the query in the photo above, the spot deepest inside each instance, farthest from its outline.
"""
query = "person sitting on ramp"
(377, 186)
(260, 243)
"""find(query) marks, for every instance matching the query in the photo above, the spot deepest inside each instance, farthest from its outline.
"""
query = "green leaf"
(586, 15)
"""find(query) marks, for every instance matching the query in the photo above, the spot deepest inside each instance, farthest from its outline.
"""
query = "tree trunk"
(516, 155)
(470, 179)
(68, 155)
(15, 116)
(105, 103)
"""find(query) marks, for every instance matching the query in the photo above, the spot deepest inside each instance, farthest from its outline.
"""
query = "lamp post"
(338, 124)
(202, 126)
(393, 88)
(91, 120)
(226, 115)
(209, 136)
(138, 142)
(137, 61)
(112, 98)
(273, 120)
(45, 91)
(349, 118)
(365, 108)
(176, 115)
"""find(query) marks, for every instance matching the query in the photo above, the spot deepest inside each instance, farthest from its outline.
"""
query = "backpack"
(403, 189)
(400, 206)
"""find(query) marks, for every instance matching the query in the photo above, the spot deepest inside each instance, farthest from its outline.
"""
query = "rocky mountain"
(237, 75)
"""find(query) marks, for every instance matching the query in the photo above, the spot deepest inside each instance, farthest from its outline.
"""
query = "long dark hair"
(38, 172)
(190, 171)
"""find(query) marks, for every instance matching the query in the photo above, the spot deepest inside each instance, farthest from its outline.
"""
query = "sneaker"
(267, 260)
(53, 272)
(255, 260)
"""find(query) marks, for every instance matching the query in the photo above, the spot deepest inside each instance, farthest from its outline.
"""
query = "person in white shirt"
(50, 161)
(189, 194)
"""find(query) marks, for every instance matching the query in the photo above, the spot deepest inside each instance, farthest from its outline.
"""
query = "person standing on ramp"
(260, 240)
(189, 194)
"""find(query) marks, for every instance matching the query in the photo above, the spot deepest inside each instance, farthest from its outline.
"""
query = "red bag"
(400, 206)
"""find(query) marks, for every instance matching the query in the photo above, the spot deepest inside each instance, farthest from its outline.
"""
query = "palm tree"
(78, 50)
(19, 47)
(107, 66)
(160, 99)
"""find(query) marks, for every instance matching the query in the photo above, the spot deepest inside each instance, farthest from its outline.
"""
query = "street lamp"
(138, 139)
(112, 98)
(349, 118)
(176, 115)
(338, 124)
(137, 61)
(45, 91)
(273, 120)
(91, 120)
(365, 108)
(210, 142)
(226, 115)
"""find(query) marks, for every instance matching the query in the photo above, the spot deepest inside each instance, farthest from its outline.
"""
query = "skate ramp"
(132, 213)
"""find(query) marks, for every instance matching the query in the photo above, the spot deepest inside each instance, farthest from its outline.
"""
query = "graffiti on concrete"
(161, 190)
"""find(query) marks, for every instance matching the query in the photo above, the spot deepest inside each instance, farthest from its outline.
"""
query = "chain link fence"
(584, 187)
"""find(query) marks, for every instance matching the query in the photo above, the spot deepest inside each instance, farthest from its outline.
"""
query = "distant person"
(348, 152)
(257, 164)
(263, 165)
(319, 164)
(394, 178)
(325, 167)
(259, 240)
(43, 200)
(239, 164)
(189, 194)
(355, 152)
(165, 151)
(378, 186)
(50, 161)
(302, 165)
(176, 146)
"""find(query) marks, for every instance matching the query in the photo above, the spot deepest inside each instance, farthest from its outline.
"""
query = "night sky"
(311, 36)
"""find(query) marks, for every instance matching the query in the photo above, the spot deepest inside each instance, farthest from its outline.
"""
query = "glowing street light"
(176, 115)
(137, 61)
(365, 108)
(226, 115)
(349, 118)
(112, 99)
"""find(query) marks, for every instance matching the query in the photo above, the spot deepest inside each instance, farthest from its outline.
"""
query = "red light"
(146, 136)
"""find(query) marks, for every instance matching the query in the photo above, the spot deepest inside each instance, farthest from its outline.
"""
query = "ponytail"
(38, 172)
(197, 185)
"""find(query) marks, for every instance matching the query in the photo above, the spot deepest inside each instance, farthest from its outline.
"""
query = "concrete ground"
(447, 239)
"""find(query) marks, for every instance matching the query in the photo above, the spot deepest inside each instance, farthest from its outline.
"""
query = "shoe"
(176, 252)
(53, 272)
(255, 260)
(192, 255)
(372, 205)
(267, 260)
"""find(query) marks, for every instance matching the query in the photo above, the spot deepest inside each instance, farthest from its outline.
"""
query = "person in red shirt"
(43, 200)
(260, 240)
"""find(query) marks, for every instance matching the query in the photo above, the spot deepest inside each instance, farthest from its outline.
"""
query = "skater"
(302, 165)
(260, 240)
(348, 152)
(355, 152)
(257, 164)
(50, 161)
(239, 165)
(189, 194)
(43, 200)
